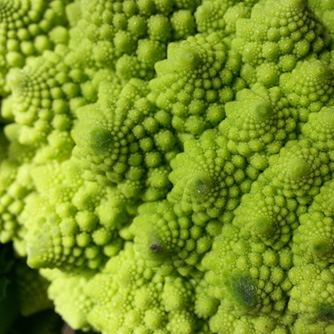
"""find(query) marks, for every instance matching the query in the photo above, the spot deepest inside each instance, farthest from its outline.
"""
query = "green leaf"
(4, 282)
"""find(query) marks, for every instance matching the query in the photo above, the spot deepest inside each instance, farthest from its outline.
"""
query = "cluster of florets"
(168, 165)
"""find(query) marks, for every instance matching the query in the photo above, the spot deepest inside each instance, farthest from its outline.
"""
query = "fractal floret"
(167, 166)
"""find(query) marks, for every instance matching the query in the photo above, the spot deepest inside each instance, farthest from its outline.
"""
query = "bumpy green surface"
(167, 165)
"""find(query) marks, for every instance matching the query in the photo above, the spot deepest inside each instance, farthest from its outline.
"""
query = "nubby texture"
(167, 166)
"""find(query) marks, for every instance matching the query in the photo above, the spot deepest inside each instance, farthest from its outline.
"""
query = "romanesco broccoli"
(167, 166)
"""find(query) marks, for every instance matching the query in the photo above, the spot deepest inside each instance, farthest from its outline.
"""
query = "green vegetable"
(166, 166)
